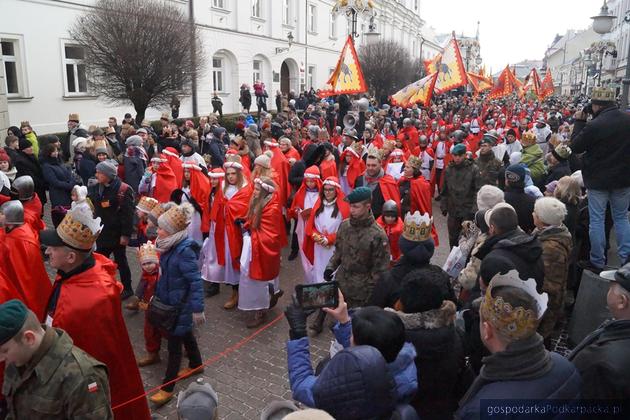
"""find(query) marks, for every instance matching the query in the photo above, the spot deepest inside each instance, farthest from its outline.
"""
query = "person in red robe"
(393, 225)
(23, 189)
(7, 292)
(166, 181)
(200, 191)
(85, 302)
(415, 192)
(228, 207)
(22, 262)
(288, 150)
(408, 135)
(263, 243)
(281, 166)
(175, 163)
(351, 167)
(328, 166)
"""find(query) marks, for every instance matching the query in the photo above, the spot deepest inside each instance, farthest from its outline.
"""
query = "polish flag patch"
(93, 387)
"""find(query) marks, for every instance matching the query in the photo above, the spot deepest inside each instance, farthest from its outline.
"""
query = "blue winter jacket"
(562, 382)
(403, 369)
(180, 273)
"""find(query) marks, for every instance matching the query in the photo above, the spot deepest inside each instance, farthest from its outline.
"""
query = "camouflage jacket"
(459, 191)
(361, 256)
(489, 168)
(60, 382)
(557, 245)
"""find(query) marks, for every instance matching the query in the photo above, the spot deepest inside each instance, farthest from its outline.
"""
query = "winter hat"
(550, 211)
(308, 414)
(189, 143)
(561, 152)
(515, 174)
(198, 401)
(264, 160)
(81, 192)
(252, 129)
(515, 157)
(4, 156)
(24, 144)
(158, 210)
(511, 132)
(13, 315)
(176, 219)
(142, 130)
(107, 168)
(100, 147)
(134, 140)
(278, 410)
(148, 253)
(218, 132)
(486, 217)
(551, 187)
(577, 175)
(488, 196)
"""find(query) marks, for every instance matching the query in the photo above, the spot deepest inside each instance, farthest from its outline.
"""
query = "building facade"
(243, 40)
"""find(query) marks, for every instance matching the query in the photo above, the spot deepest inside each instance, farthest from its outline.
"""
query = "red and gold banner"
(546, 87)
(532, 81)
(347, 77)
(451, 70)
(479, 82)
(419, 92)
(431, 66)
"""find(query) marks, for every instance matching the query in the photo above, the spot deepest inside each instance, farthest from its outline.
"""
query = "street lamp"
(290, 39)
(352, 9)
(602, 23)
(372, 35)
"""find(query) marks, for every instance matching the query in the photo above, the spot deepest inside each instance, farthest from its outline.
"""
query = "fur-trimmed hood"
(429, 320)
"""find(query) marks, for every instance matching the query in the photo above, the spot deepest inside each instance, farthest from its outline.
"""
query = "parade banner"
(431, 66)
(546, 87)
(503, 86)
(479, 82)
(451, 70)
(347, 77)
(419, 92)
(532, 81)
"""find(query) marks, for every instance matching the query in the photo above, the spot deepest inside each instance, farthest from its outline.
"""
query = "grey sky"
(511, 31)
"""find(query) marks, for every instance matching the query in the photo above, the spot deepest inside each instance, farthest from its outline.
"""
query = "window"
(75, 68)
(312, 18)
(11, 66)
(311, 77)
(333, 26)
(217, 73)
(257, 8)
(286, 12)
(415, 5)
(257, 74)
(219, 4)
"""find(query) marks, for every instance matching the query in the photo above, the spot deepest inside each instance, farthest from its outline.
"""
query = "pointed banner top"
(347, 76)
(419, 92)
(452, 73)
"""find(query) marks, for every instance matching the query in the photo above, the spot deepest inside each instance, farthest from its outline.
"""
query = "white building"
(614, 68)
(244, 40)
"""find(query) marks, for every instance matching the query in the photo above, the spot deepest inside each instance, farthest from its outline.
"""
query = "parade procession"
(403, 233)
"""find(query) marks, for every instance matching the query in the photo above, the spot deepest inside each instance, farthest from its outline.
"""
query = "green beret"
(458, 149)
(12, 317)
(359, 194)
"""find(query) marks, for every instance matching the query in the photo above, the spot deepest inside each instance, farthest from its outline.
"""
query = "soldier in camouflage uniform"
(459, 192)
(46, 376)
(361, 251)
(489, 166)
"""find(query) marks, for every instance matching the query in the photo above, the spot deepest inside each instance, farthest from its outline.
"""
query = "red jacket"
(268, 239)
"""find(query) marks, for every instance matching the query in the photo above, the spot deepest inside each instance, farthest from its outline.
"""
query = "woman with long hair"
(263, 239)
(228, 207)
(351, 167)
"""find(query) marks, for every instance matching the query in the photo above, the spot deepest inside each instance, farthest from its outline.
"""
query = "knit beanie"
(561, 152)
(550, 211)
(176, 219)
(515, 174)
(488, 196)
(24, 144)
(134, 140)
(107, 168)
(515, 157)
(4, 156)
(264, 160)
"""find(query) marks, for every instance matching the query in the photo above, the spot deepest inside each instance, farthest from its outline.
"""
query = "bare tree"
(387, 67)
(138, 51)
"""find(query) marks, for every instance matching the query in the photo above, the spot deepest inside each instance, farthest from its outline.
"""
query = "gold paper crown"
(414, 162)
(146, 204)
(73, 117)
(357, 147)
(79, 229)
(176, 219)
(603, 94)
(148, 253)
(25, 124)
(417, 227)
(528, 138)
(514, 323)
(157, 211)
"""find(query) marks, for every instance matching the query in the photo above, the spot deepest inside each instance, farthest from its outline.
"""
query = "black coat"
(29, 165)
(512, 250)
(116, 216)
(601, 357)
(134, 170)
(558, 171)
(605, 142)
(60, 181)
(523, 205)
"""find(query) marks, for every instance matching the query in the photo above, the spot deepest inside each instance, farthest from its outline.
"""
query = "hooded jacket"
(512, 250)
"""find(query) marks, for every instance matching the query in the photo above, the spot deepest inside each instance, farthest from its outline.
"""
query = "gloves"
(296, 317)
(328, 274)
(199, 318)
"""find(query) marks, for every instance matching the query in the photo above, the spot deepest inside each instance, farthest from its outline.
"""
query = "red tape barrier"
(210, 361)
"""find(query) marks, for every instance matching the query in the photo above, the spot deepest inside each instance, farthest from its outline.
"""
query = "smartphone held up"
(319, 295)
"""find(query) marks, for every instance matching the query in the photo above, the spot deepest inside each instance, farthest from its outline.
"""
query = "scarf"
(165, 244)
(522, 360)
(136, 151)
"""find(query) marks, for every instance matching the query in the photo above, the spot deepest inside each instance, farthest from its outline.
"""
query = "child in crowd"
(393, 227)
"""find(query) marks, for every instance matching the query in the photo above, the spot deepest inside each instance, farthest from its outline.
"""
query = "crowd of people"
(530, 191)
